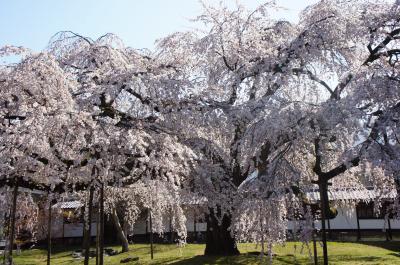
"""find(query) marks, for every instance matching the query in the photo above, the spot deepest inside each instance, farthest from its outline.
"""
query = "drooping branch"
(375, 53)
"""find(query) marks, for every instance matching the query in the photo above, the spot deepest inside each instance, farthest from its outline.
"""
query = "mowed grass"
(192, 254)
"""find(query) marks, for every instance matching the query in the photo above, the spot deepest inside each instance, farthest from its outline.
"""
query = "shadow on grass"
(245, 259)
(389, 245)
(234, 260)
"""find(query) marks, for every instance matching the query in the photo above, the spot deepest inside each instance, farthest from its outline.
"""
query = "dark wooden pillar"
(329, 229)
(389, 230)
(358, 225)
(323, 192)
(171, 233)
(314, 244)
(7, 232)
(151, 236)
(97, 236)
(49, 234)
(12, 222)
(101, 236)
(88, 227)
(194, 226)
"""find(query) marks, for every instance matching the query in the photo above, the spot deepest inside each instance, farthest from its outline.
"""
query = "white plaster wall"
(347, 219)
(139, 227)
(395, 224)
(73, 230)
(56, 228)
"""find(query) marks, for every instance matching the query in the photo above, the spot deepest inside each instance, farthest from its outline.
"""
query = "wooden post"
(262, 234)
(171, 237)
(97, 236)
(88, 227)
(358, 225)
(63, 229)
(314, 244)
(151, 236)
(84, 230)
(329, 229)
(101, 236)
(194, 225)
(49, 235)
(12, 225)
(323, 192)
(8, 232)
(389, 230)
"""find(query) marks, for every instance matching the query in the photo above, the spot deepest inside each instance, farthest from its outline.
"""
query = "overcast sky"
(31, 23)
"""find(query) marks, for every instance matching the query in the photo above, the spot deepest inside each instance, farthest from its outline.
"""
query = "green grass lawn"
(339, 253)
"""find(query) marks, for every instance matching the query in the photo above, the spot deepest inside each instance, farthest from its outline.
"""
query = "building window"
(315, 211)
(366, 211)
(71, 216)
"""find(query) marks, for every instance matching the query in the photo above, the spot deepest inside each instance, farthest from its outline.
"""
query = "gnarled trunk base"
(219, 240)
(120, 232)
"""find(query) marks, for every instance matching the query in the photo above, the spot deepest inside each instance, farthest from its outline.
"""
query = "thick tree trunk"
(125, 228)
(120, 232)
(219, 240)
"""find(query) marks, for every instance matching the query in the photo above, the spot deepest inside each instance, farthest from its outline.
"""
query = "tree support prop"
(120, 232)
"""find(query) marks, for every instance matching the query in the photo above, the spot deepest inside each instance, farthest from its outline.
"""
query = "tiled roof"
(337, 195)
(68, 205)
